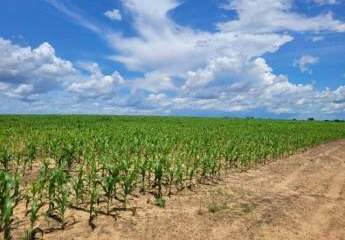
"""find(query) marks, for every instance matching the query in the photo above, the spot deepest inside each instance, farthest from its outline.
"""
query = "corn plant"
(9, 198)
(58, 194)
(36, 203)
(78, 186)
(89, 159)
(159, 173)
(5, 158)
(67, 156)
(110, 181)
(179, 174)
(92, 180)
(170, 175)
(128, 179)
(144, 168)
(31, 154)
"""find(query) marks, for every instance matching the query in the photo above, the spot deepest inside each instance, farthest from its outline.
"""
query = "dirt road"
(299, 197)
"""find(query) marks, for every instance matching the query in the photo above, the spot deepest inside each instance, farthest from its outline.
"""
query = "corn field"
(98, 163)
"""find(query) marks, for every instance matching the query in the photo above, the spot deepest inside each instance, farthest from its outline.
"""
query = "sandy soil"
(299, 197)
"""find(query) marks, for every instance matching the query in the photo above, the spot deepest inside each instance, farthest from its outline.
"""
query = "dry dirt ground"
(299, 197)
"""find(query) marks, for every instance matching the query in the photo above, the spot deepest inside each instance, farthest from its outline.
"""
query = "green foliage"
(36, 203)
(160, 202)
(58, 191)
(9, 197)
(5, 157)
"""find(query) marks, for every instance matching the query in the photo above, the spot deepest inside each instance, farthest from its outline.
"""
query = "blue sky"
(264, 58)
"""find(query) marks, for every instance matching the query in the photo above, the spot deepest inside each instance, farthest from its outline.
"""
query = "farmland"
(100, 164)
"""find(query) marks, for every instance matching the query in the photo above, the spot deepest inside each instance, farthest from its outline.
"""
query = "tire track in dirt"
(283, 201)
(312, 164)
(337, 185)
(319, 219)
(326, 213)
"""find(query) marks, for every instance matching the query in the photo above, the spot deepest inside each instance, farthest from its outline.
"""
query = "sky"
(236, 58)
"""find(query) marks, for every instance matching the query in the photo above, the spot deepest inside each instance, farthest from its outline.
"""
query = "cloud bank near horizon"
(181, 69)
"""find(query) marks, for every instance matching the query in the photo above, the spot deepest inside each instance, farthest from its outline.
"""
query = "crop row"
(98, 164)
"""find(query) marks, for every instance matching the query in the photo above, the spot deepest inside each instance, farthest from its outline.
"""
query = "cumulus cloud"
(238, 87)
(184, 68)
(305, 62)
(22, 91)
(248, 87)
(21, 64)
(154, 82)
(26, 72)
(96, 84)
(113, 15)
(162, 44)
(224, 70)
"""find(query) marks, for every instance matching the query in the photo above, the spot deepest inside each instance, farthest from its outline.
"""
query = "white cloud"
(113, 15)
(265, 16)
(162, 44)
(97, 84)
(17, 62)
(154, 82)
(21, 91)
(26, 72)
(151, 10)
(244, 86)
(305, 62)
(185, 68)
(251, 86)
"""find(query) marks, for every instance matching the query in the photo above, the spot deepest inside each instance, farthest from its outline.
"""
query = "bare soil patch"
(299, 197)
